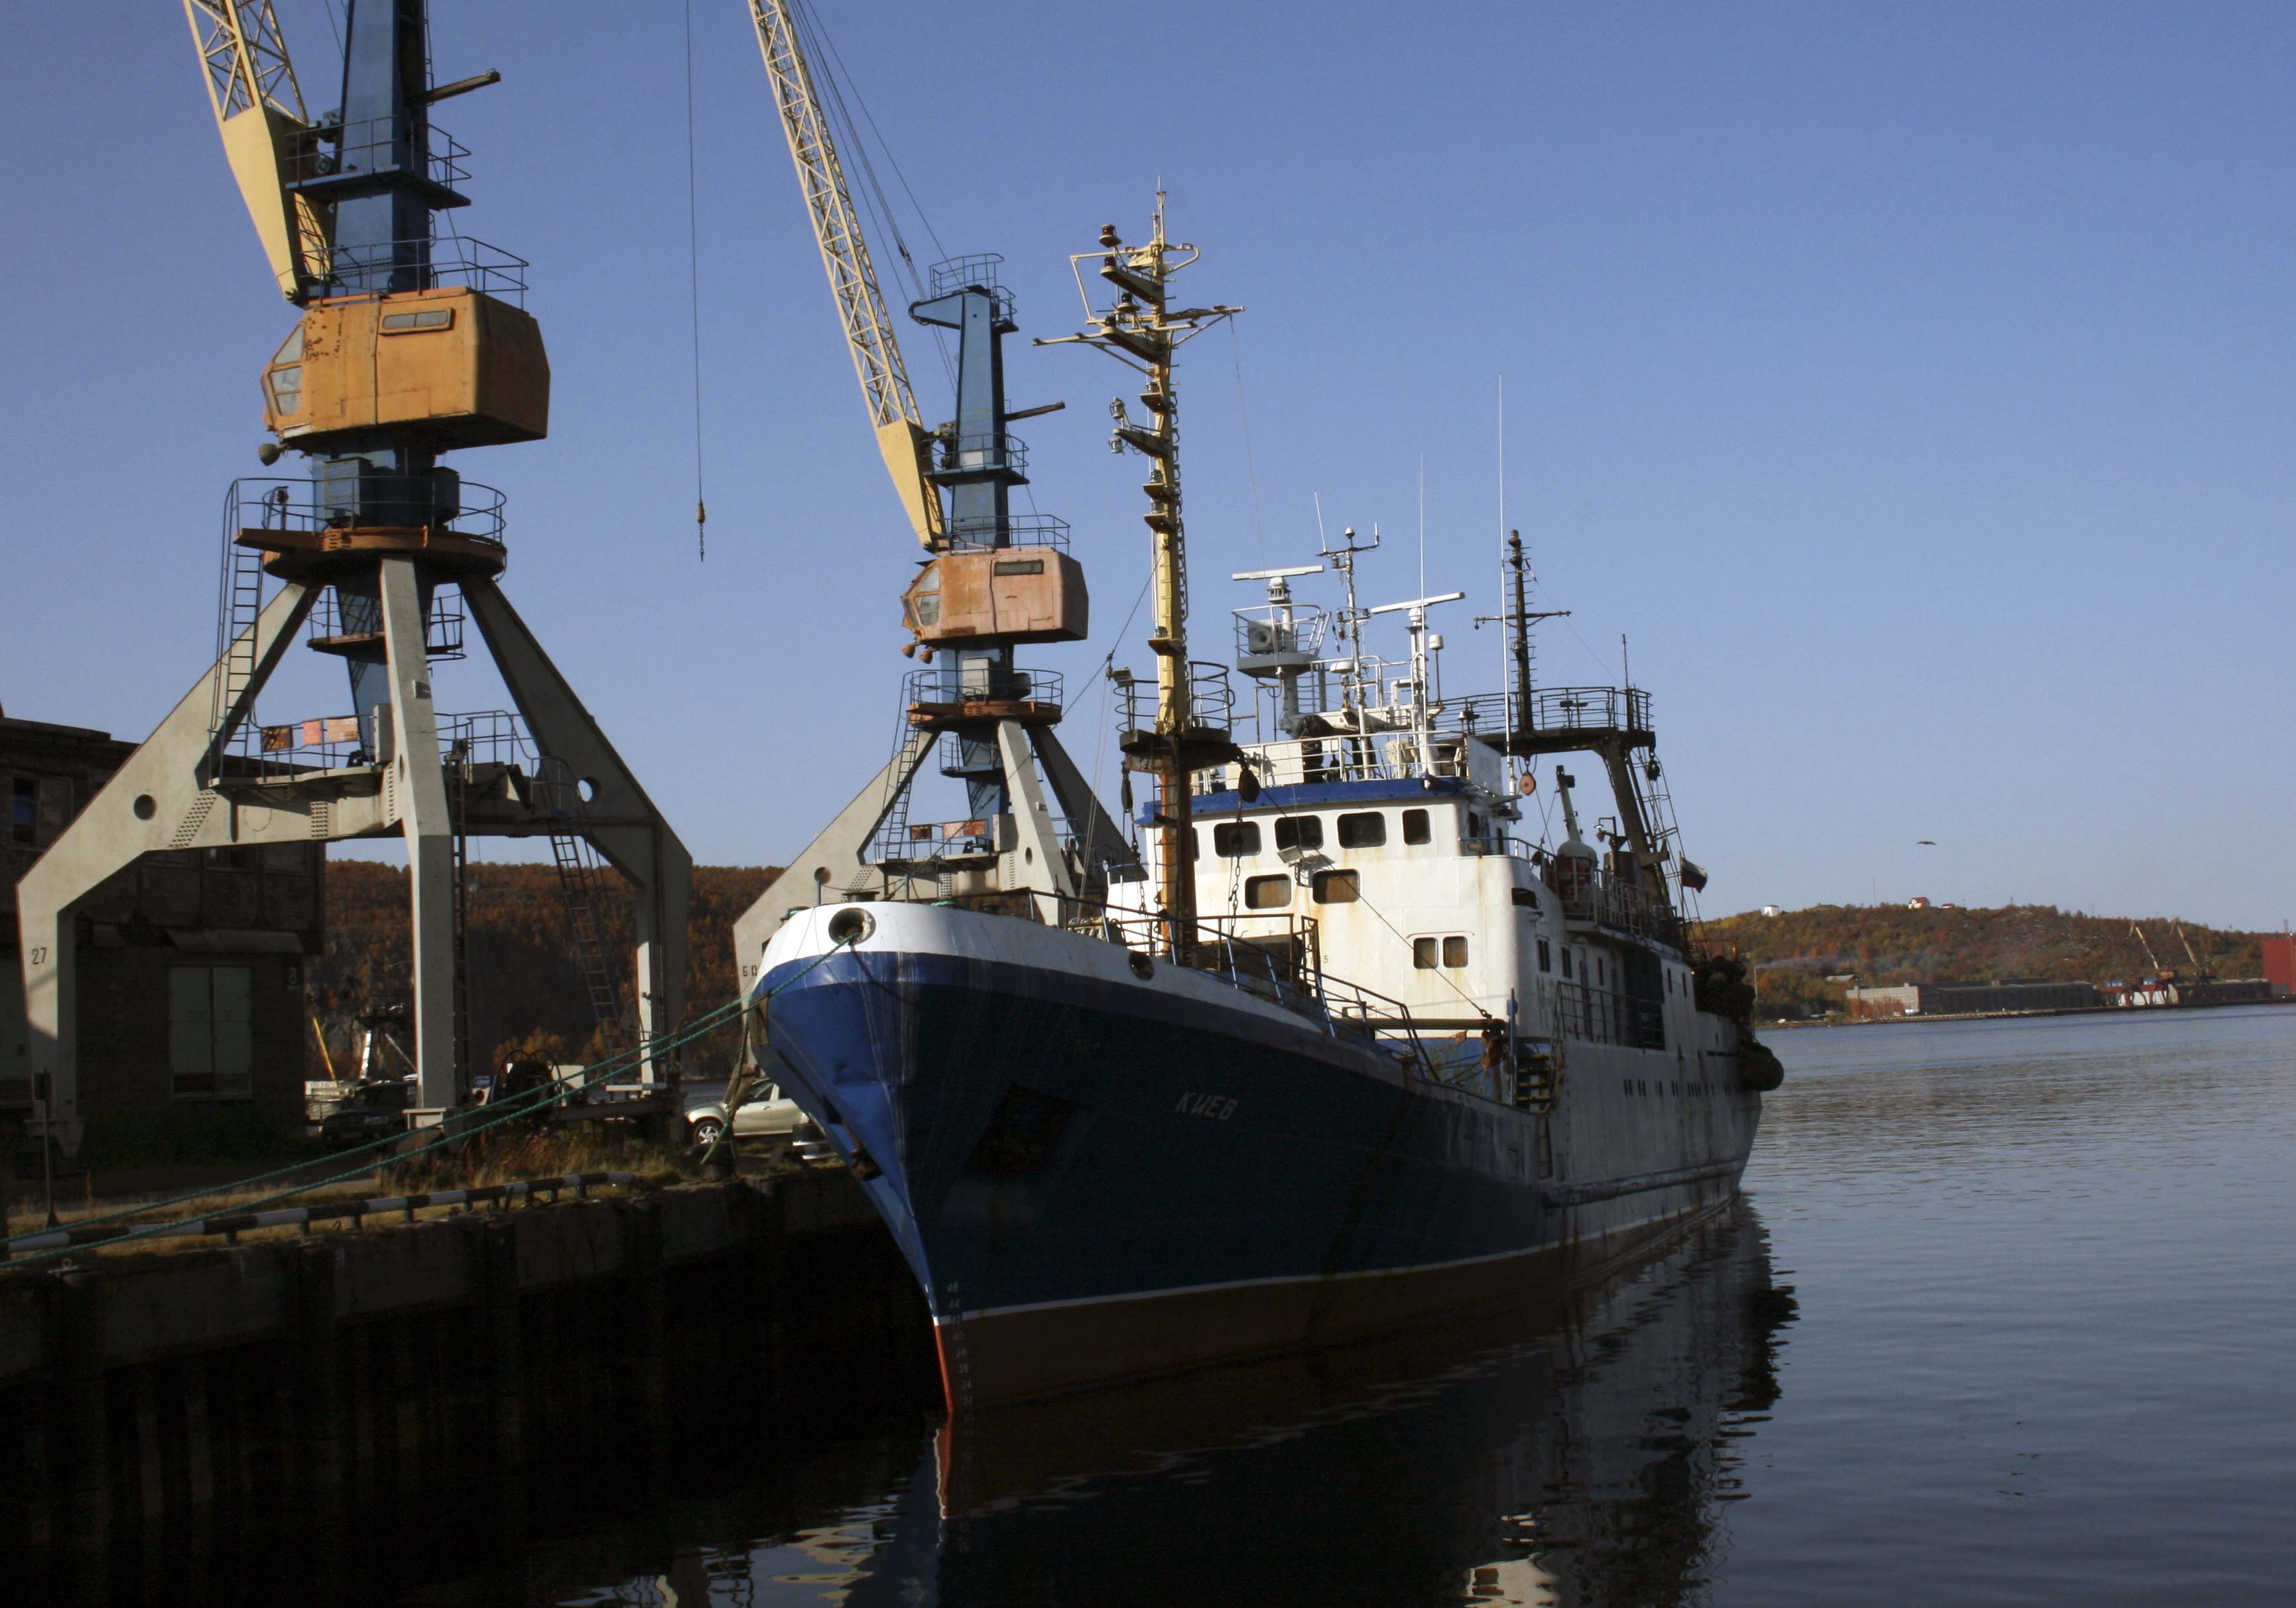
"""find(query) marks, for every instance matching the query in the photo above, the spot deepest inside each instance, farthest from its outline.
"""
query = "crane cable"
(694, 291)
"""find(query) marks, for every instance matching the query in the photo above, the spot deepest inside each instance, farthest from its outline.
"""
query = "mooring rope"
(514, 1108)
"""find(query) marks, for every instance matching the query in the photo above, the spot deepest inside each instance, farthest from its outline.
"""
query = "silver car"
(769, 1114)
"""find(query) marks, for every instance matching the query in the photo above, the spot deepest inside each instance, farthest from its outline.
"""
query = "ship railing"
(1609, 1016)
(1277, 958)
(1383, 754)
(1513, 848)
(1211, 700)
(1601, 899)
(1595, 710)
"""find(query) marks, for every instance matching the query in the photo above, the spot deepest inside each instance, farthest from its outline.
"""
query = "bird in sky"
(1924, 842)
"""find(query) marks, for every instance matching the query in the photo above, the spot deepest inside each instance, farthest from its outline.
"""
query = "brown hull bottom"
(1019, 1353)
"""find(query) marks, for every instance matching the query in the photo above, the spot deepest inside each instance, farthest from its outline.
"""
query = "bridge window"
(1426, 954)
(1545, 957)
(1526, 899)
(1233, 839)
(1267, 892)
(1367, 829)
(1415, 826)
(1298, 832)
(1454, 952)
(1337, 888)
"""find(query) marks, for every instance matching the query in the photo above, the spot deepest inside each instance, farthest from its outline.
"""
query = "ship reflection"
(1581, 1455)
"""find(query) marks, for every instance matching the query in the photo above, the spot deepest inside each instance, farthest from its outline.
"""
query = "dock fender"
(1758, 1067)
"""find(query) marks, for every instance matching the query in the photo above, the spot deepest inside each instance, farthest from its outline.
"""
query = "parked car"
(769, 1114)
(371, 1110)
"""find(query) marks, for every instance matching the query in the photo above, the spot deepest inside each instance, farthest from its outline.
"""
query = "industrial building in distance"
(1972, 999)
(2015, 995)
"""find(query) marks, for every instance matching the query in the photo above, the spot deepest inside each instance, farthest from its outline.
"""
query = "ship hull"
(1098, 1176)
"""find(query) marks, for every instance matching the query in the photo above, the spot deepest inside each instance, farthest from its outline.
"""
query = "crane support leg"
(155, 800)
(623, 824)
(830, 862)
(1097, 832)
(416, 788)
(1043, 866)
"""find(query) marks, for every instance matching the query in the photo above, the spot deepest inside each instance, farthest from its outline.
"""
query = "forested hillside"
(1793, 954)
(524, 983)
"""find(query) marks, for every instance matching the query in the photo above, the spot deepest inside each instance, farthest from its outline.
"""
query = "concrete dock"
(318, 1374)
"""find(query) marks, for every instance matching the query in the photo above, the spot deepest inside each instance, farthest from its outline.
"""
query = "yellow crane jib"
(268, 137)
(902, 437)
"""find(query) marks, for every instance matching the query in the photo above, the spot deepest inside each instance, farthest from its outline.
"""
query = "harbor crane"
(410, 343)
(2158, 970)
(992, 580)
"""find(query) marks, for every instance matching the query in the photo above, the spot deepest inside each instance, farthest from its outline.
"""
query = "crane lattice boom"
(259, 109)
(901, 435)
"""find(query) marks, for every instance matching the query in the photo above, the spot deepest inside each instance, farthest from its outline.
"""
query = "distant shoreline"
(2099, 1010)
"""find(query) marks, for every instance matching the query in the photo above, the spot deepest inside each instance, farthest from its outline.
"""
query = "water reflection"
(1585, 1454)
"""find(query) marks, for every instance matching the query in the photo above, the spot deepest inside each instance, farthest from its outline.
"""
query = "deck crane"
(993, 580)
(410, 343)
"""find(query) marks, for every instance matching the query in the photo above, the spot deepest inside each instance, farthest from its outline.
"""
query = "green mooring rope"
(517, 1107)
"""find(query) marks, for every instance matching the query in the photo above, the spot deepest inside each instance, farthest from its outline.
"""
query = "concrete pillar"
(505, 1344)
(417, 787)
(82, 1412)
(318, 1420)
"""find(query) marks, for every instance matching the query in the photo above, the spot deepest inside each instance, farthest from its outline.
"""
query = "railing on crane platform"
(442, 501)
(448, 259)
(1009, 530)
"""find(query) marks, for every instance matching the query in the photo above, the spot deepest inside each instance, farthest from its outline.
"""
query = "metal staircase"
(239, 603)
(458, 789)
(578, 868)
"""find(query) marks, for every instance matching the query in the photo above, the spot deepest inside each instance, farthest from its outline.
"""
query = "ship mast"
(1144, 331)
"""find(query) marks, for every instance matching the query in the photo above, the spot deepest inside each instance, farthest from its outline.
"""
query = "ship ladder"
(1537, 1077)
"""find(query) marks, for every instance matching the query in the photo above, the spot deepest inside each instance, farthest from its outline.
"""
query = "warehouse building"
(1971, 998)
(191, 962)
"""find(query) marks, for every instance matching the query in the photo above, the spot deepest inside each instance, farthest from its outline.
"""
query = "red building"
(2280, 960)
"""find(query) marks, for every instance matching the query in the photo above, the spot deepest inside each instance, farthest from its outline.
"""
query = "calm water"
(2010, 1318)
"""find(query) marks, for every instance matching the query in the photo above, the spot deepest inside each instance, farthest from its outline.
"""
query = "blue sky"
(1911, 383)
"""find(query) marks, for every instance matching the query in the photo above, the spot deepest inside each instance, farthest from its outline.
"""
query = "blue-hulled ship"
(1343, 1024)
